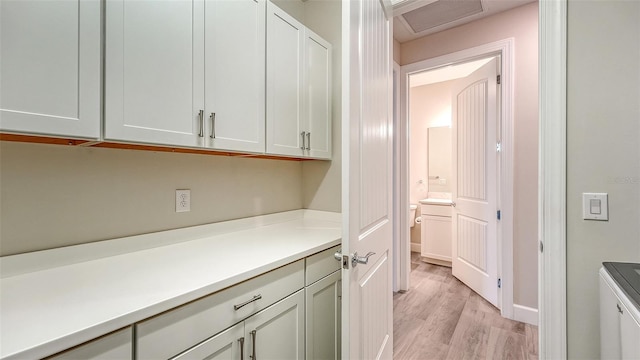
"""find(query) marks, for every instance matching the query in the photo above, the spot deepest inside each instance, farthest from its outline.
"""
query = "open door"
(367, 181)
(474, 189)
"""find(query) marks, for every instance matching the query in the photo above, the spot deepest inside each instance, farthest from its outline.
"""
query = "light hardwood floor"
(441, 318)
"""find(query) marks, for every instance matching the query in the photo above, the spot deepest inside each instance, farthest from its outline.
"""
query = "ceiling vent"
(440, 12)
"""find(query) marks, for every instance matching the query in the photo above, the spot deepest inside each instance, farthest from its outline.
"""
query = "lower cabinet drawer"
(171, 333)
(321, 264)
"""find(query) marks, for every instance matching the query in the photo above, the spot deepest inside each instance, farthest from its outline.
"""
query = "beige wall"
(322, 180)
(603, 154)
(52, 195)
(522, 24)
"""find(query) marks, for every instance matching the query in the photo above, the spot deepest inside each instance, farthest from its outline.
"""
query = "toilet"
(412, 215)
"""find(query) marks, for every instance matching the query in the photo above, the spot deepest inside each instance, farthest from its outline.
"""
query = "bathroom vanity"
(436, 231)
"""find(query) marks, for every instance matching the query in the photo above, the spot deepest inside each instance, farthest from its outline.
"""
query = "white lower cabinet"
(436, 234)
(117, 345)
(276, 332)
(323, 318)
(227, 345)
(323, 295)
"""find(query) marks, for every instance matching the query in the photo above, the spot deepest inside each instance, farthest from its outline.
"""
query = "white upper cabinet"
(154, 82)
(186, 73)
(235, 74)
(285, 53)
(50, 68)
(298, 88)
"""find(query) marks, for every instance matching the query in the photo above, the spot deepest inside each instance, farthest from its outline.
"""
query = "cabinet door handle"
(255, 298)
(302, 134)
(241, 341)
(201, 118)
(213, 125)
(308, 141)
(619, 309)
(253, 345)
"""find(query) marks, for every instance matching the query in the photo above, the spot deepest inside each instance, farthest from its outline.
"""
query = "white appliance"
(620, 311)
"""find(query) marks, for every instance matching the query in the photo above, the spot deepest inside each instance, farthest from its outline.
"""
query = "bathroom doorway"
(453, 117)
(430, 180)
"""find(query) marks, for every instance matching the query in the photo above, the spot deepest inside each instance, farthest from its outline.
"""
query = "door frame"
(505, 50)
(552, 169)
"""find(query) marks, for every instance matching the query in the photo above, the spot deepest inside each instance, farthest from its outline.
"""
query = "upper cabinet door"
(50, 68)
(235, 74)
(285, 44)
(317, 104)
(154, 81)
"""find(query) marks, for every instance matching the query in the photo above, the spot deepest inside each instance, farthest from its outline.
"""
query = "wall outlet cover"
(183, 200)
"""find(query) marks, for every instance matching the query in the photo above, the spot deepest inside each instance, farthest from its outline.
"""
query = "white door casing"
(474, 186)
(367, 180)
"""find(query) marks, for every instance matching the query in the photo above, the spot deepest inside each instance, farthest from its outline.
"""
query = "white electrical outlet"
(183, 200)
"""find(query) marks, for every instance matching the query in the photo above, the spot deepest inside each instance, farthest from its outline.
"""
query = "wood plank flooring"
(441, 318)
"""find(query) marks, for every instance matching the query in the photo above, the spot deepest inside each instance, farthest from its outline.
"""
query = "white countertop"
(55, 299)
(436, 201)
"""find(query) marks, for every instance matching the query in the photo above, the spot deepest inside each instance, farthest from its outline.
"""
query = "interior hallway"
(441, 318)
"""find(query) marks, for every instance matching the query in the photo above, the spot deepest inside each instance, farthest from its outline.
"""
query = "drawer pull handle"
(253, 343)
(241, 341)
(255, 298)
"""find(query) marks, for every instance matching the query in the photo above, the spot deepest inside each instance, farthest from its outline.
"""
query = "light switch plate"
(595, 206)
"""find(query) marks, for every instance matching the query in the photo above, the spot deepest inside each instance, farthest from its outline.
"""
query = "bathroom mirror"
(439, 159)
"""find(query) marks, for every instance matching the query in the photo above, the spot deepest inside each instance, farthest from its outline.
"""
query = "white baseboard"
(525, 314)
(415, 247)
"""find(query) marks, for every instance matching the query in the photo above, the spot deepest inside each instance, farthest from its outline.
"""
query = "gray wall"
(603, 154)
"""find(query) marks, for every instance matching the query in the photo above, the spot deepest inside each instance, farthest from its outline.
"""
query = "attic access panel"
(441, 12)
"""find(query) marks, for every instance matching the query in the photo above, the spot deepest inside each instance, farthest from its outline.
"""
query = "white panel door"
(317, 106)
(367, 180)
(154, 77)
(235, 74)
(227, 345)
(277, 332)
(285, 44)
(50, 69)
(474, 187)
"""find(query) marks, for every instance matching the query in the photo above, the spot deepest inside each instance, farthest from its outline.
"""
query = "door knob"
(355, 260)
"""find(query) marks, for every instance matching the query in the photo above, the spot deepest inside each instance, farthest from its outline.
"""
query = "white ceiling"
(403, 32)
